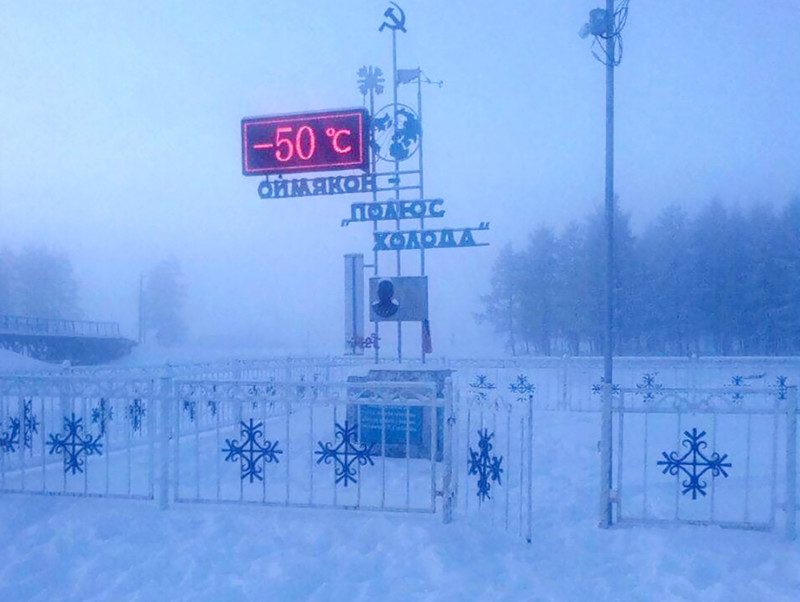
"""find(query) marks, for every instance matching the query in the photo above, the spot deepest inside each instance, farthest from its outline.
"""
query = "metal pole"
(606, 434)
(141, 309)
(396, 180)
(791, 464)
(421, 195)
(374, 199)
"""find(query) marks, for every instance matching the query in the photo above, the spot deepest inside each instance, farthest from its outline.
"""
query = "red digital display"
(319, 141)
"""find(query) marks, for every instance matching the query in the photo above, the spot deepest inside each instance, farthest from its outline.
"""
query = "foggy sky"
(120, 141)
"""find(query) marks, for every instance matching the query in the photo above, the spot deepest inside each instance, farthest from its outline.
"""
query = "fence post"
(448, 493)
(529, 534)
(165, 400)
(791, 463)
(605, 457)
(565, 382)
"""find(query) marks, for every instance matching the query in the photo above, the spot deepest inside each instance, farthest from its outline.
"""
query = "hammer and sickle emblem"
(395, 22)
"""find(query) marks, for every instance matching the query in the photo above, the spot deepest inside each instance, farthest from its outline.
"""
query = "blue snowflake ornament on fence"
(73, 446)
(10, 439)
(522, 387)
(598, 388)
(345, 454)
(737, 382)
(189, 406)
(484, 465)
(30, 426)
(782, 386)
(102, 414)
(694, 464)
(649, 388)
(480, 386)
(212, 406)
(136, 411)
(251, 452)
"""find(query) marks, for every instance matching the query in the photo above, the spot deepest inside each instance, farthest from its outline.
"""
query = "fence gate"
(722, 456)
(78, 436)
(493, 425)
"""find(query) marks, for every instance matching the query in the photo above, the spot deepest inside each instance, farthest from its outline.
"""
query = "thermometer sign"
(320, 141)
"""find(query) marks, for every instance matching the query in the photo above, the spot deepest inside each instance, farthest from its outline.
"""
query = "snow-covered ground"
(58, 548)
(11, 362)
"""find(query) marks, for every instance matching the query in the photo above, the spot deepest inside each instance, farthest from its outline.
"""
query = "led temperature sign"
(319, 141)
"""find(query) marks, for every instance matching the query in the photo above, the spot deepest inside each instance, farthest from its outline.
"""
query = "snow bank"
(10, 362)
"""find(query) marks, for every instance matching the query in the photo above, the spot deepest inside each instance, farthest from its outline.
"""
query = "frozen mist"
(121, 177)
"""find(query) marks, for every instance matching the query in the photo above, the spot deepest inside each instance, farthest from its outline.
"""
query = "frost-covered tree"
(725, 281)
(163, 301)
(43, 284)
(6, 276)
(666, 285)
(502, 304)
(538, 294)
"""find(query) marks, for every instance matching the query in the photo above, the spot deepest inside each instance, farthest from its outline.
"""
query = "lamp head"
(596, 25)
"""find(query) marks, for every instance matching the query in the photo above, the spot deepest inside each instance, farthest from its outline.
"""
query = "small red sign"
(319, 141)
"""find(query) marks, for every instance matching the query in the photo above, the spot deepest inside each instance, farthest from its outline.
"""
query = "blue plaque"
(405, 430)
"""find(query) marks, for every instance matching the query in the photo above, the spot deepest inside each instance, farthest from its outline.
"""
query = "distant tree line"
(726, 281)
(38, 282)
(163, 298)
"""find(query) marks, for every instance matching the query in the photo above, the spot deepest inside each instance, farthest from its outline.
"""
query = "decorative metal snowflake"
(10, 439)
(522, 387)
(345, 454)
(264, 390)
(694, 464)
(598, 389)
(307, 392)
(485, 466)
(480, 386)
(136, 411)
(648, 388)
(370, 78)
(102, 414)
(251, 452)
(782, 386)
(30, 423)
(737, 382)
(72, 445)
(189, 406)
(30, 426)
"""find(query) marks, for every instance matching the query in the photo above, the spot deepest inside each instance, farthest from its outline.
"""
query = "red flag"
(427, 345)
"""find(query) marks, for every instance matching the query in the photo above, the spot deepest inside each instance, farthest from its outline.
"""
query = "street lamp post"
(606, 25)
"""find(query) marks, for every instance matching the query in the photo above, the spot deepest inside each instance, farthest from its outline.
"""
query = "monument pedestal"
(404, 429)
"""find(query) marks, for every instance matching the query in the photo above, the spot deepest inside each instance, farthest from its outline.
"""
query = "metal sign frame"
(311, 141)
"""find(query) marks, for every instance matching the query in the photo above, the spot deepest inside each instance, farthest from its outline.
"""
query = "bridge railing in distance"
(26, 325)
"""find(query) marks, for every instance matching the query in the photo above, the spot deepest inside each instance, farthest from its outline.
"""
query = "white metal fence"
(365, 446)
(78, 436)
(493, 431)
(706, 456)
(295, 432)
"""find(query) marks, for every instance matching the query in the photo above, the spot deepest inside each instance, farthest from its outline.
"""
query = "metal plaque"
(398, 299)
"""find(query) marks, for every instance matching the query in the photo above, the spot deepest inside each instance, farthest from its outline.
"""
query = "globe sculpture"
(396, 141)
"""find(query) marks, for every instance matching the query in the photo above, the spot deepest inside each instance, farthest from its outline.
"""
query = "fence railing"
(365, 446)
(298, 433)
(23, 325)
(707, 456)
(562, 383)
(78, 436)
